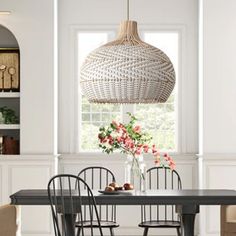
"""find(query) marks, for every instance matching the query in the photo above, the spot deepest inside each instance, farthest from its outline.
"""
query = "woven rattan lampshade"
(127, 70)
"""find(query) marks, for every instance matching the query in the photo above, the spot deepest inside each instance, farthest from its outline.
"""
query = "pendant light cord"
(127, 9)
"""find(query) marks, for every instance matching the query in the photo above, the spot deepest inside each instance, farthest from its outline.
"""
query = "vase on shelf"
(135, 172)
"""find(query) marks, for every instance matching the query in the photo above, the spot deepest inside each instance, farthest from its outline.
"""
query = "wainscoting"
(24, 172)
(218, 172)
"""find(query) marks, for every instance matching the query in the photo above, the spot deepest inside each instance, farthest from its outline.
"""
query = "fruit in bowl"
(109, 189)
(128, 186)
(116, 187)
(119, 188)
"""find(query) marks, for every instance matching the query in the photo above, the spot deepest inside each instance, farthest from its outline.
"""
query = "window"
(161, 120)
(92, 116)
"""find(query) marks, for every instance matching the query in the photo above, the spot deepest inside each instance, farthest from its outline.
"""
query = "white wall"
(32, 24)
(219, 123)
(219, 76)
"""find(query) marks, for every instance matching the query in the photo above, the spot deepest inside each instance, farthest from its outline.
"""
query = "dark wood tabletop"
(187, 202)
(171, 197)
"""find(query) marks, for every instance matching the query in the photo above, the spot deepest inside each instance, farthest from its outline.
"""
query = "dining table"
(186, 202)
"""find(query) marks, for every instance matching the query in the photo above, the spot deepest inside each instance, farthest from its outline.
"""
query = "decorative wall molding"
(217, 156)
(218, 171)
(29, 157)
(114, 157)
(28, 171)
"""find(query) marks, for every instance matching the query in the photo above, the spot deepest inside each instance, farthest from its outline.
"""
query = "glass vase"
(135, 172)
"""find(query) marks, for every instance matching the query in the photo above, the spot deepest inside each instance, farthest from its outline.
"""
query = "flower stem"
(136, 162)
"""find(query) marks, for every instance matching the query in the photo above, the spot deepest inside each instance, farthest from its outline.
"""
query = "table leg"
(69, 224)
(187, 214)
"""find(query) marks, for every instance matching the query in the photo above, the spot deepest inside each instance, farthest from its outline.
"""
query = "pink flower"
(157, 162)
(115, 123)
(119, 139)
(123, 128)
(145, 148)
(154, 150)
(111, 141)
(104, 140)
(137, 129)
(172, 165)
(138, 151)
(167, 157)
(170, 161)
(129, 143)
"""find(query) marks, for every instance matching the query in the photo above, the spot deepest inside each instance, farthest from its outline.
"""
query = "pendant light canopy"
(127, 70)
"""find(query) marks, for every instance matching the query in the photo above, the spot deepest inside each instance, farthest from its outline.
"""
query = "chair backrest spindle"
(98, 178)
(66, 204)
(161, 178)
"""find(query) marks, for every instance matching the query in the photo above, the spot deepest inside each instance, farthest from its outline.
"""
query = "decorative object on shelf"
(3, 69)
(9, 115)
(127, 70)
(2, 120)
(11, 146)
(1, 144)
(132, 141)
(9, 68)
(11, 72)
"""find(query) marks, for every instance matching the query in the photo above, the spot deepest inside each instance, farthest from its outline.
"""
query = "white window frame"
(184, 102)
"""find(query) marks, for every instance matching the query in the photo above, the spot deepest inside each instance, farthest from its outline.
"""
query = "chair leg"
(178, 231)
(145, 232)
(112, 231)
(78, 232)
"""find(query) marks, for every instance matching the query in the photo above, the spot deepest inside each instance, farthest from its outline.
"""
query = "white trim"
(222, 157)
(9, 94)
(200, 80)
(9, 126)
(55, 78)
(116, 157)
(72, 57)
(27, 158)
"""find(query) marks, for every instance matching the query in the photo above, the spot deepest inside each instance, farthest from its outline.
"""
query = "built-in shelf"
(9, 126)
(9, 95)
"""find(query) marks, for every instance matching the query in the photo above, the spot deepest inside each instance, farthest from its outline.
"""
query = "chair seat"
(160, 223)
(103, 223)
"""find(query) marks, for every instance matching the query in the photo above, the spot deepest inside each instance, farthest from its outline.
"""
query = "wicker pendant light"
(127, 70)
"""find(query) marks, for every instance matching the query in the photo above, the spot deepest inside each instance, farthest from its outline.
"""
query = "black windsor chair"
(157, 216)
(98, 177)
(67, 205)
